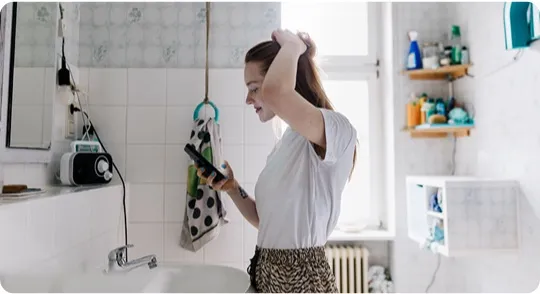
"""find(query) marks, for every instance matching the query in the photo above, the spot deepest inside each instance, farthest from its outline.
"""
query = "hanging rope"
(206, 60)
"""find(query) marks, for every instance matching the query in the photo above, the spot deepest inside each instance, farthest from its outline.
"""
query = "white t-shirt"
(298, 194)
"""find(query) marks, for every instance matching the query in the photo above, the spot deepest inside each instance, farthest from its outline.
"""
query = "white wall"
(65, 233)
(506, 140)
(145, 117)
(411, 267)
(504, 144)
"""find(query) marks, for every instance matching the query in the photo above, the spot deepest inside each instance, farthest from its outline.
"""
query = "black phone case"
(202, 162)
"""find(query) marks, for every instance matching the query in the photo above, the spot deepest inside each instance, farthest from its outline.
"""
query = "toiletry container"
(414, 59)
(465, 55)
(455, 40)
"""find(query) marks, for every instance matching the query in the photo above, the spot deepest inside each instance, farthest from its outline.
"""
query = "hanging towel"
(204, 211)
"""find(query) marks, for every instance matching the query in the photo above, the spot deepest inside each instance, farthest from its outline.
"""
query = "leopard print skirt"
(303, 270)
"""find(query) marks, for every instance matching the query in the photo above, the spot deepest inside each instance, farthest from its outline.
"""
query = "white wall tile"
(185, 87)
(146, 125)
(146, 203)
(84, 79)
(234, 154)
(110, 123)
(118, 153)
(176, 164)
(147, 86)
(147, 238)
(173, 251)
(227, 247)
(227, 87)
(145, 163)
(108, 87)
(175, 202)
(179, 124)
(231, 121)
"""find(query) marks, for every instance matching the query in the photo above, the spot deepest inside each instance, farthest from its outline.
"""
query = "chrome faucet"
(118, 260)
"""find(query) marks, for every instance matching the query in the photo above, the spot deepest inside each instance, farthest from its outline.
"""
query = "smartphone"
(202, 162)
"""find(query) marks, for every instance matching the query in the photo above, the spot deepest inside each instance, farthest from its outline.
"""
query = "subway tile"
(185, 87)
(227, 87)
(146, 203)
(147, 86)
(110, 123)
(179, 124)
(231, 121)
(108, 87)
(146, 125)
(175, 202)
(173, 252)
(145, 163)
(147, 238)
(227, 246)
(176, 164)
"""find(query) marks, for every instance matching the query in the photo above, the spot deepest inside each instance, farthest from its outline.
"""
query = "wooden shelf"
(441, 73)
(440, 132)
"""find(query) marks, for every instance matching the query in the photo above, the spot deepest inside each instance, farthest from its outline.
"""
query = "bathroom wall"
(43, 174)
(504, 144)
(172, 35)
(72, 231)
(142, 65)
(411, 267)
(506, 141)
(64, 233)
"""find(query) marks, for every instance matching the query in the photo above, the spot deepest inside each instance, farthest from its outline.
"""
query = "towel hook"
(206, 100)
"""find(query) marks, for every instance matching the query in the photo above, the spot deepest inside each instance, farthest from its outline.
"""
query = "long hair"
(308, 82)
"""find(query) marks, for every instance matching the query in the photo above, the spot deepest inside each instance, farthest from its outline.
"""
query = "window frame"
(366, 68)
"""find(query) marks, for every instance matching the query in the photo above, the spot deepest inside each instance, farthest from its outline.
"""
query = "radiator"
(350, 266)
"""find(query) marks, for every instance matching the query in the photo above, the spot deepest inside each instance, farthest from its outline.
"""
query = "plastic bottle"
(464, 55)
(440, 107)
(414, 59)
(455, 41)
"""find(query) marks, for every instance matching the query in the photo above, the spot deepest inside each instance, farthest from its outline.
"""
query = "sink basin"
(162, 279)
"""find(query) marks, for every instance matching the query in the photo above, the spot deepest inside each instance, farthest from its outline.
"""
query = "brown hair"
(308, 82)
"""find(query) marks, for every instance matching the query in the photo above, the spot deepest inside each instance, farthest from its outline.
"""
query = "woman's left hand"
(288, 38)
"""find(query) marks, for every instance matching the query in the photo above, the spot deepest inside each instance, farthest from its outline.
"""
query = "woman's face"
(254, 79)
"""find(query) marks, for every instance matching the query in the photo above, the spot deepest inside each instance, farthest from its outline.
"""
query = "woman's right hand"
(227, 184)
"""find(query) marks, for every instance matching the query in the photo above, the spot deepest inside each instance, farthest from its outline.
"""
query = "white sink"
(162, 279)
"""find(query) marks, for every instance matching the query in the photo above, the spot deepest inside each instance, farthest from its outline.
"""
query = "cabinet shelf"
(442, 73)
(439, 131)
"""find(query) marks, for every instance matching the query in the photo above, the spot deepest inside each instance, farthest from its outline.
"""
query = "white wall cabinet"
(476, 215)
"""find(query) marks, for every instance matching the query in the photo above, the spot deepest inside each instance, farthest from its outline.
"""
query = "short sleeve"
(340, 135)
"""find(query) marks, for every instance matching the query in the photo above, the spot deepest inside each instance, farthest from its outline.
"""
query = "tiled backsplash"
(172, 35)
(144, 117)
(66, 232)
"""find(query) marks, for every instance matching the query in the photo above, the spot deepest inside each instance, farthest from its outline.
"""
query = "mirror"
(32, 75)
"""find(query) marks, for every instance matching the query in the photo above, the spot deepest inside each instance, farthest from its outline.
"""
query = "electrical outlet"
(70, 125)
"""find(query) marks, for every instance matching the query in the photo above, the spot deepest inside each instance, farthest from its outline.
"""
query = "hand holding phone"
(207, 168)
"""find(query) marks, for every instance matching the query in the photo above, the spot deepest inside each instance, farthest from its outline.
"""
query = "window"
(347, 43)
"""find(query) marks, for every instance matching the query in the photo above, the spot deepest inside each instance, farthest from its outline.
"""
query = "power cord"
(453, 172)
(65, 78)
(93, 130)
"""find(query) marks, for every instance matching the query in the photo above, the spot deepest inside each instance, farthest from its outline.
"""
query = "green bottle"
(455, 41)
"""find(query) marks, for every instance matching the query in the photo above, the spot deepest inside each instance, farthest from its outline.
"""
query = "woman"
(299, 190)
